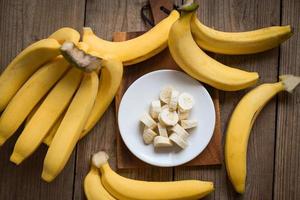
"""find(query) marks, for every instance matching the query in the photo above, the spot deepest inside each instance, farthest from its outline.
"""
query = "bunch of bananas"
(61, 87)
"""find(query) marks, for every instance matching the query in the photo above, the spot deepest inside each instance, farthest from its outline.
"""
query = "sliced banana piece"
(187, 124)
(165, 94)
(181, 132)
(173, 100)
(168, 118)
(155, 109)
(160, 141)
(185, 102)
(183, 115)
(147, 120)
(148, 136)
(174, 137)
(162, 130)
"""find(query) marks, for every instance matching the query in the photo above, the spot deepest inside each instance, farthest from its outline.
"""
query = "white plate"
(136, 101)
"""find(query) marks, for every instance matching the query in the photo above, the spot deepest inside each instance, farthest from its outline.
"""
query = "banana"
(23, 66)
(41, 122)
(145, 46)
(168, 118)
(165, 94)
(199, 65)
(66, 34)
(188, 124)
(161, 141)
(183, 115)
(162, 130)
(70, 128)
(174, 137)
(51, 133)
(185, 102)
(241, 122)
(173, 100)
(148, 136)
(147, 120)
(110, 80)
(236, 43)
(155, 109)
(180, 131)
(93, 188)
(128, 189)
(29, 95)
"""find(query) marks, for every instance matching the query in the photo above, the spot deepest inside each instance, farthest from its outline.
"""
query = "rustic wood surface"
(273, 155)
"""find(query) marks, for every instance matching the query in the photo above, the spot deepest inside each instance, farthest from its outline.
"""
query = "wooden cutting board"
(125, 159)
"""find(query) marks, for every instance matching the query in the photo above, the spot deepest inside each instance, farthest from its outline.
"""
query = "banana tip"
(16, 158)
(47, 177)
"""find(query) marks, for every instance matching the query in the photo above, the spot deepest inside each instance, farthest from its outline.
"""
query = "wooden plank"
(287, 160)
(230, 15)
(21, 23)
(106, 17)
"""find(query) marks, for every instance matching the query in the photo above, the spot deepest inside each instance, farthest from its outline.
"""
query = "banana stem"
(99, 159)
(189, 6)
(79, 58)
(290, 82)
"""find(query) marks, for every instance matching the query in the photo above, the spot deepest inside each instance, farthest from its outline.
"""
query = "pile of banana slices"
(170, 120)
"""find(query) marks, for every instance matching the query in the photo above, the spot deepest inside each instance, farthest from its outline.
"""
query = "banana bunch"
(103, 183)
(241, 122)
(59, 102)
(187, 34)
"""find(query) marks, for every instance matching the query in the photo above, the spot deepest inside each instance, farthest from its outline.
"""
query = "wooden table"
(273, 156)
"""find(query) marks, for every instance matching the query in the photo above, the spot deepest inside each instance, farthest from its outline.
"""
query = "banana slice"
(160, 141)
(165, 94)
(185, 102)
(148, 136)
(181, 132)
(162, 130)
(187, 124)
(155, 109)
(173, 100)
(168, 118)
(183, 115)
(178, 140)
(147, 120)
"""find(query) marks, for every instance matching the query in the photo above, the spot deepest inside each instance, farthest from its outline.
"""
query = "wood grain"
(21, 23)
(238, 15)
(287, 160)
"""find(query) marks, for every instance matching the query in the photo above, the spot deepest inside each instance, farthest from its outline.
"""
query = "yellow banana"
(128, 189)
(236, 43)
(137, 49)
(66, 34)
(110, 80)
(51, 133)
(70, 128)
(23, 66)
(29, 95)
(199, 65)
(240, 124)
(46, 116)
(93, 188)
